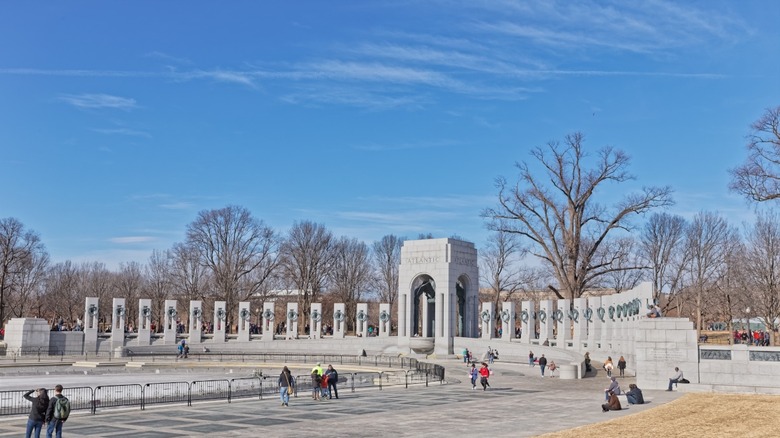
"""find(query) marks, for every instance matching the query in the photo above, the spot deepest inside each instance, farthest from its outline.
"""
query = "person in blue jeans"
(473, 374)
(542, 363)
(676, 379)
(286, 386)
(54, 424)
(38, 411)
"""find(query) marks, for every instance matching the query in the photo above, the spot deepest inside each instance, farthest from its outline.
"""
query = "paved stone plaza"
(519, 403)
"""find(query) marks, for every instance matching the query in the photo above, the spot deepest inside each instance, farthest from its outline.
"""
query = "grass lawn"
(692, 415)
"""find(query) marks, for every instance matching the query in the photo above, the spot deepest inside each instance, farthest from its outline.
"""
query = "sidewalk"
(519, 403)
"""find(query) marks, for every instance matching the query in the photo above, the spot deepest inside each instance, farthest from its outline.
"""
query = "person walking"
(473, 374)
(333, 380)
(55, 416)
(542, 363)
(608, 366)
(622, 366)
(37, 411)
(484, 373)
(531, 359)
(286, 386)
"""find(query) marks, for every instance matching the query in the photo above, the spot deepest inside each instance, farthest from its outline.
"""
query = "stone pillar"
(608, 326)
(315, 321)
(118, 323)
(339, 315)
(91, 323)
(144, 321)
(244, 320)
(508, 320)
(220, 317)
(196, 322)
(361, 320)
(580, 323)
(292, 321)
(528, 322)
(487, 316)
(594, 323)
(169, 329)
(27, 337)
(546, 321)
(563, 321)
(385, 320)
(268, 329)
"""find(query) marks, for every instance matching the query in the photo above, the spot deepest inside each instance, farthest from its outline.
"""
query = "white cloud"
(131, 239)
(92, 101)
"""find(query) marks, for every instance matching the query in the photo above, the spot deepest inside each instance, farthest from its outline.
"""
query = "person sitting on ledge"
(634, 395)
(676, 379)
(612, 404)
(614, 387)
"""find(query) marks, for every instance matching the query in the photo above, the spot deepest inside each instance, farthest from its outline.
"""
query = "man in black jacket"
(333, 379)
(542, 363)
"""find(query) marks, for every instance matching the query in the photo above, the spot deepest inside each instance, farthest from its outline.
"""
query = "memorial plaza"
(518, 403)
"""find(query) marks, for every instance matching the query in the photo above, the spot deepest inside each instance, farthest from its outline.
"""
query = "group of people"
(755, 337)
(52, 412)
(633, 396)
(324, 383)
(483, 373)
(609, 365)
(542, 362)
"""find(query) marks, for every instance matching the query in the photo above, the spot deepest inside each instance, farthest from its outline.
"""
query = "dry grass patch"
(692, 415)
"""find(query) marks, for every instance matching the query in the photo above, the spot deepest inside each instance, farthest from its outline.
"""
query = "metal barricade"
(246, 387)
(166, 392)
(117, 395)
(209, 390)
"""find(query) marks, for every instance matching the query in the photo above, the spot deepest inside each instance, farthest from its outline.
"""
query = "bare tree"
(662, 246)
(96, 281)
(129, 284)
(350, 273)
(306, 259)
(733, 290)
(29, 282)
(558, 212)
(64, 294)
(233, 245)
(158, 285)
(707, 240)
(501, 268)
(187, 275)
(758, 178)
(762, 266)
(387, 259)
(19, 248)
(622, 253)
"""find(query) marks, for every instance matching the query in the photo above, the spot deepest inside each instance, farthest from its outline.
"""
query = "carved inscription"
(464, 258)
(715, 354)
(423, 259)
(766, 356)
(666, 355)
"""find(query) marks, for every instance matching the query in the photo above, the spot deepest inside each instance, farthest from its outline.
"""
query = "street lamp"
(747, 318)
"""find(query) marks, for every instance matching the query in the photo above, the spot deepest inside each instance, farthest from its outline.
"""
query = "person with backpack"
(38, 411)
(57, 413)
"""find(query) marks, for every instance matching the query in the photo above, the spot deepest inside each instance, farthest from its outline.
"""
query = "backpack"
(61, 408)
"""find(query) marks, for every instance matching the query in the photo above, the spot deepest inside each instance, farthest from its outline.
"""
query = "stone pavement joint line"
(519, 403)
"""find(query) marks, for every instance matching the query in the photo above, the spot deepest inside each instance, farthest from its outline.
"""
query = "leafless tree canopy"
(758, 178)
(707, 239)
(350, 273)
(557, 210)
(307, 255)
(662, 248)
(21, 252)
(233, 245)
(502, 270)
(762, 267)
(387, 259)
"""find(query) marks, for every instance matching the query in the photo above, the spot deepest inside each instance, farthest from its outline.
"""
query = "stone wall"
(661, 345)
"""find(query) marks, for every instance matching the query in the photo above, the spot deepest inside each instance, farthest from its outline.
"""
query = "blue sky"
(119, 121)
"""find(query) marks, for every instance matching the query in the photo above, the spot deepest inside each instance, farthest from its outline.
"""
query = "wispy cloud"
(122, 131)
(96, 101)
(181, 205)
(131, 239)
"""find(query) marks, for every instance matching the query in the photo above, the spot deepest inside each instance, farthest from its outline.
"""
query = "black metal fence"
(142, 395)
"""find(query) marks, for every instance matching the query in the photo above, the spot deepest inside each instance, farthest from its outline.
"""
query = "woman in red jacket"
(484, 373)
